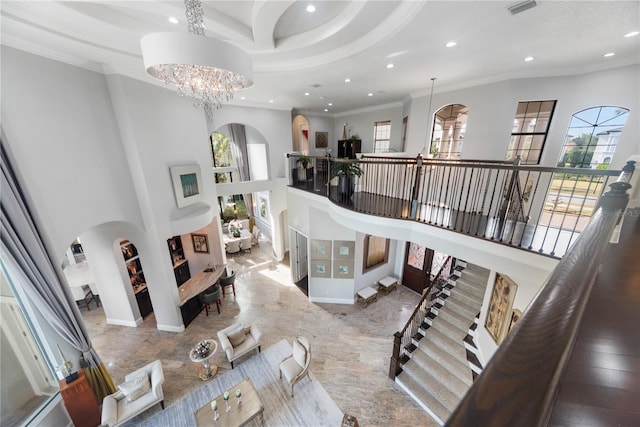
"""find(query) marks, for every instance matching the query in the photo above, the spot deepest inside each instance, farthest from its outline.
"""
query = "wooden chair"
(82, 295)
(296, 367)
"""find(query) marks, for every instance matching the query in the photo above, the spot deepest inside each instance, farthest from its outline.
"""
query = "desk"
(199, 283)
(239, 414)
(78, 274)
(190, 304)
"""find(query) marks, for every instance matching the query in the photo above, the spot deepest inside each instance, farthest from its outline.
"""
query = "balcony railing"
(520, 383)
(534, 208)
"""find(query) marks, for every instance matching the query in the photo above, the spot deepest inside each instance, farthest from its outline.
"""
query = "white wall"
(492, 109)
(362, 123)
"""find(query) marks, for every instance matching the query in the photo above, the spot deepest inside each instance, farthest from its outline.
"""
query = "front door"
(417, 267)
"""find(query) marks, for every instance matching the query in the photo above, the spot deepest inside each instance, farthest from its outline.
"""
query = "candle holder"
(214, 408)
(238, 395)
(225, 396)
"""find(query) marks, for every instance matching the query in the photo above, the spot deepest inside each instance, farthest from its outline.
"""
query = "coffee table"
(208, 371)
(239, 414)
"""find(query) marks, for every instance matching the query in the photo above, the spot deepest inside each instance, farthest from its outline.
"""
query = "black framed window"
(530, 128)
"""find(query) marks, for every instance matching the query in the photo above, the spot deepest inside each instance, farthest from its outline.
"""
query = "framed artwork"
(343, 249)
(320, 268)
(342, 269)
(187, 184)
(263, 208)
(320, 249)
(499, 314)
(376, 252)
(322, 139)
(200, 243)
(515, 316)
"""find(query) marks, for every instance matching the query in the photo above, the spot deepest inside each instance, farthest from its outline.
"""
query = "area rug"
(310, 406)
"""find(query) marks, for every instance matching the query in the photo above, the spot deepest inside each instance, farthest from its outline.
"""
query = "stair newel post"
(415, 192)
(394, 365)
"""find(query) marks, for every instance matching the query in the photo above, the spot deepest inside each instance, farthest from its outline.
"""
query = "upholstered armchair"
(141, 390)
(296, 367)
(238, 340)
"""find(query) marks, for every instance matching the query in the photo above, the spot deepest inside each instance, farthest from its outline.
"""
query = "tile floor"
(351, 345)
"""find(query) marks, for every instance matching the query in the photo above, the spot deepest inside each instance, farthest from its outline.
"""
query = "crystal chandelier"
(208, 70)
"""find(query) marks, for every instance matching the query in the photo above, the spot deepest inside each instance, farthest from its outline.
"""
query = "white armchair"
(238, 340)
(135, 395)
(296, 367)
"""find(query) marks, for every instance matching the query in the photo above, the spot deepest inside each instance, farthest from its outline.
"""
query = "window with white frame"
(381, 136)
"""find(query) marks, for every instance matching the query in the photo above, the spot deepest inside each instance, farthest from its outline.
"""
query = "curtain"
(29, 264)
(239, 151)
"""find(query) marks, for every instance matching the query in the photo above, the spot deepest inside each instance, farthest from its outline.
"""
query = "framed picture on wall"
(200, 243)
(187, 184)
(322, 139)
(320, 268)
(320, 249)
(342, 269)
(376, 252)
(499, 315)
(343, 249)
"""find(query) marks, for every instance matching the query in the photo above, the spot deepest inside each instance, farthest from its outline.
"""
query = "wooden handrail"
(520, 383)
(416, 318)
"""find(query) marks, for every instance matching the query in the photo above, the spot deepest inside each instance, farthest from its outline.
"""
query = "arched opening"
(447, 135)
(301, 132)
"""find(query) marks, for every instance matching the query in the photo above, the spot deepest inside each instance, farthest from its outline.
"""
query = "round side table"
(208, 370)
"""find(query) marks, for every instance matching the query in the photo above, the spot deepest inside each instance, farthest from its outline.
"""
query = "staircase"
(435, 370)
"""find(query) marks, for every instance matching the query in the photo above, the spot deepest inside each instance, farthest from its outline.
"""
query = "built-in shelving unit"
(136, 276)
(180, 264)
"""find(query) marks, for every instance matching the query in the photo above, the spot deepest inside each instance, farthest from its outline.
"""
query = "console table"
(80, 401)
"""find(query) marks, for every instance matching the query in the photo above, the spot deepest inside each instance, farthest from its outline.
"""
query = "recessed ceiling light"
(173, 20)
(330, 104)
(347, 80)
(608, 55)
(271, 101)
(311, 8)
(242, 97)
(529, 59)
(326, 109)
(389, 65)
(451, 44)
(370, 94)
(632, 34)
(306, 94)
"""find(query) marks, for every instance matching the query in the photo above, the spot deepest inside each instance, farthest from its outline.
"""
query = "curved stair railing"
(402, 340)
(519, 384)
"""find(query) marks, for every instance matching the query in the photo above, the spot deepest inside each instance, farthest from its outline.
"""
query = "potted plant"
(344, 172)
(303, 162)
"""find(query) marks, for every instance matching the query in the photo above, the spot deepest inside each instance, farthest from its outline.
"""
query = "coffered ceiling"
(296, 52)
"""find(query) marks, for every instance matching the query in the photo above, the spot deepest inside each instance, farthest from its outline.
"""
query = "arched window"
(592, 137)
(447, 135)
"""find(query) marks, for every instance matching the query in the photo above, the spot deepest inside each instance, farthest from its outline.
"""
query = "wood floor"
(601, 386)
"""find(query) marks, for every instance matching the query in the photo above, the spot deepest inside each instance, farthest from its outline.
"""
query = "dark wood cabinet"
(349, 147)
(136, 277)
(191, 309)
(182, 272)
(80, 401)
(144, 302)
